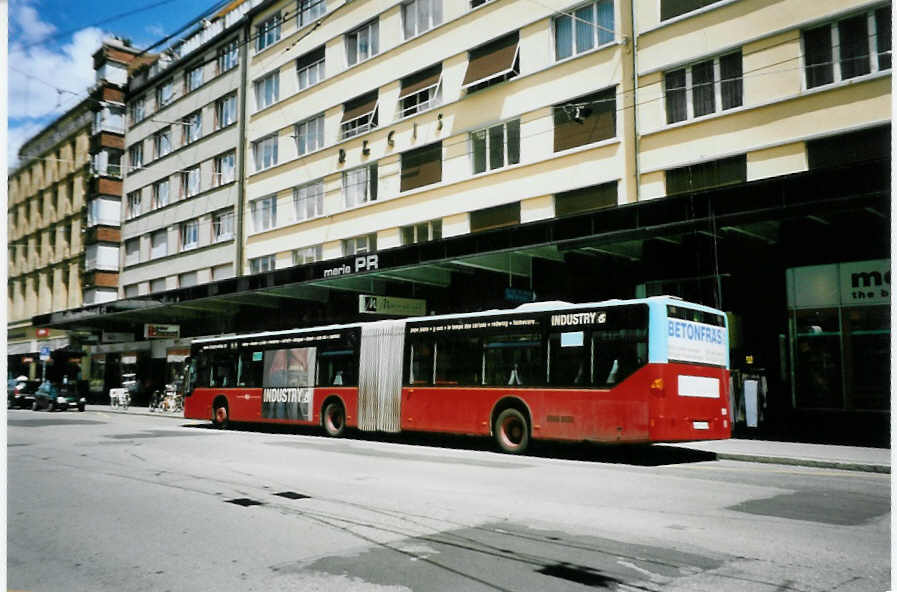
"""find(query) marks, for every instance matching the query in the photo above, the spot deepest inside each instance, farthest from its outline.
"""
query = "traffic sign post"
(44, 356)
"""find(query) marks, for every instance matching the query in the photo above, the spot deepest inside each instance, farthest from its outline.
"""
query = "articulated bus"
(644, 370)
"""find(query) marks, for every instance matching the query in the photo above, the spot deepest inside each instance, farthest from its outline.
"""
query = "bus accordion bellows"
(621, 371)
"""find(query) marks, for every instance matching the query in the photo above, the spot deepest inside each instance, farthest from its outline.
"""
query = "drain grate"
(579, 574)
(244, 501)
(293, 495)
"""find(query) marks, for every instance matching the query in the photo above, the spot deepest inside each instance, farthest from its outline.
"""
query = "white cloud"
(26, 25)
(155, 30)
(18, 135)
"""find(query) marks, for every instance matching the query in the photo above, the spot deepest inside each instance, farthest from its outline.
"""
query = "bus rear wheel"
(334, 419)
(220, 417)
(511, 431)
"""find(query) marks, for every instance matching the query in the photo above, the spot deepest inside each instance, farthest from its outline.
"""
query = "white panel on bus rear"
(698, 386)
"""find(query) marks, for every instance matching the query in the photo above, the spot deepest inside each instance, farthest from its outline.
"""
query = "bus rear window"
(696, 316)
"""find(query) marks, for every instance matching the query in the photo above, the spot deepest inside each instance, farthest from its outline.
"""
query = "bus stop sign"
(44, 353)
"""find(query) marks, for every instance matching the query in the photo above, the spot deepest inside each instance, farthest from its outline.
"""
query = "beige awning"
(420, 81)
(492, 60)
(359, 107)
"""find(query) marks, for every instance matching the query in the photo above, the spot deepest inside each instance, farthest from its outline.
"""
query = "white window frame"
(430, 226)
(158, 201)
(265, 94)
(689, 88)
(434, 99)
(220, 177)
(411, 10)
(369, 31)
(360, 244)
(189, 235)
(165, 93)
(222, 226)
(307, 255)
(356, 197)
(156, 249)
(137, 110)
(595, 29)
(262, 264)
(264, 213)
(228, 56)
(134, 204)
(267, 32)
(135, 156)
(318, 68)
(309, 135)
(872, 34)
(308, 201)
(226, 111)
(132, 255)
(192, 128)
(193, 78)
(157, 142)
(263, 147)
(310, 10)
(506, 162)
(190, 182)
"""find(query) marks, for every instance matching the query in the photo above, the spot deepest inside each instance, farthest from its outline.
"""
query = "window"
(513, 359)
(421, 166)
(193, 78)
(584, 120)
(586, 199)
(189, 235)
(841, 50)
(359, 115)
(131, 291)
(264, 213)
(159, 244)
(585, 28)
(362, 43)
(222, 226)
(192, 127)
(165, 93)
(160, 194)
(225, 169)
(261, 264)
(190, 184)
(492, 63)
(310, 10)
(162, 142)
(158, 285)
(308, 255)
(222, 272)
(228, 56)
(703, 88)
(188, 279)
(308, 201)
(267, 33)
(137, 110)
(419, 16)
(422, 232)
(706, 175)
(310, 68)
(851, 148)
(360, 244)
(420, 91)
(264, 152)
(310, 134)
(360, 185)
(135, 157)
(475, 3)
(226, 111)
(673, 8)
(267, 90)
(496, 146)
(497, 217)
(134, 204)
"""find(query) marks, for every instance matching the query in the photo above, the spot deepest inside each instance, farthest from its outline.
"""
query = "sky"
(51, 43)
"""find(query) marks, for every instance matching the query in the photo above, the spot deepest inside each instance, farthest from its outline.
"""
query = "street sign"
(44, 353)
(519, 295)
(391, 305)
(153, 331)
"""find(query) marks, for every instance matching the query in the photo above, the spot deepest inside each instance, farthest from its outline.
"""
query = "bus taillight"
(657, 387)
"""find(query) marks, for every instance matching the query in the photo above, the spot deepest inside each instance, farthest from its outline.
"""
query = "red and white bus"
(644, 370)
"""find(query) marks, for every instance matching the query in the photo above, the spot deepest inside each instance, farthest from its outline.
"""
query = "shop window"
(847, 149)
(586, 199)
(497, 217)
(707, 175)
(673, 8)
(492, 63)
(514, 360)
(867, 356)
(817, 359)
(586, 119)
(421, 166)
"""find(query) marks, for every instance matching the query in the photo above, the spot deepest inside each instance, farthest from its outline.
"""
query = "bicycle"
(119, 398)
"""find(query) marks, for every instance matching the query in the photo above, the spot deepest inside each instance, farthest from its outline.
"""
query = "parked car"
(51, 396)
(22, 394)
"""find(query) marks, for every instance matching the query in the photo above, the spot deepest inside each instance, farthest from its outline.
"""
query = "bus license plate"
(700, 425)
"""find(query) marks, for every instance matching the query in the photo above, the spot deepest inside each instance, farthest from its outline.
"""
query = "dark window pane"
(585, 28)
(507, 215)
(563, 37)
(818, 56)
(514, 360)
(617, 354)
(702, 88)
(458, 361)
(883, 37)
(513, 141)
(730, 80)
(586, 199)
(568, 359)
(707, 175)
(673, 8)
(853, 37)
(479, 151)
(422, 166)
(677, 109)
(420, 363)
(585, 120)
(846, 149)
(496, 147)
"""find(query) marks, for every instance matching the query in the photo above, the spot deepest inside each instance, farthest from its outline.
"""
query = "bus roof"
(545, 306)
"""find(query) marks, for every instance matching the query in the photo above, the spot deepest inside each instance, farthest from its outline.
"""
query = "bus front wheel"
(334, 419)
(511, 431)
(220, 415)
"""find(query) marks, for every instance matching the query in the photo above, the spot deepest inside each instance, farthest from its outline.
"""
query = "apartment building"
(480, 153)
(45, 218)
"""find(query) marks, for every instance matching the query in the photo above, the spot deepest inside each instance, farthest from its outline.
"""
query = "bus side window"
(458, 360)
(617, 354)
(336, 367)
(567, 362)
(249, 372)
(516, 360)
(223, 371)
(419, 362)
(203, 369)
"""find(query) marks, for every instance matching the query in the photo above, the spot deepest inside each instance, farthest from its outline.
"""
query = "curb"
(806, 462)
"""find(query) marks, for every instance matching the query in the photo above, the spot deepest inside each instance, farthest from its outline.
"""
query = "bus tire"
(220, 415)
(333, 418)
(511, 431)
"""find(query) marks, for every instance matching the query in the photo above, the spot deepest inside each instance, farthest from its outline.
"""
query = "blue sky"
(50, 47)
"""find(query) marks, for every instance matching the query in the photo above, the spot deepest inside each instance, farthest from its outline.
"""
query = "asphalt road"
(101, 501)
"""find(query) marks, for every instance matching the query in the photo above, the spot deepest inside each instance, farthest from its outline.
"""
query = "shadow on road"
(647, 455)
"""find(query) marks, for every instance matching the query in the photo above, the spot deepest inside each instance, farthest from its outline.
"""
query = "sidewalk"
(849, 458)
